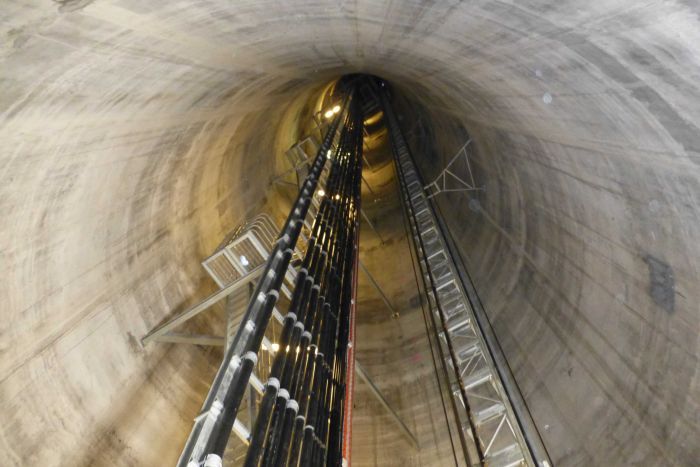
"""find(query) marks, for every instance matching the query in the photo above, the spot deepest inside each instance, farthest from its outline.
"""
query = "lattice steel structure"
(490, 429)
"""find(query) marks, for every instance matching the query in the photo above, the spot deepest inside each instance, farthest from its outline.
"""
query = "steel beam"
(203, 305)
(362, 211)
(379, 290)
(194, 339)
(384, 403)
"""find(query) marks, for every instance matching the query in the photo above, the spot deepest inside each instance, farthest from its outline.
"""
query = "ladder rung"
(442, 286)
(457, 321)
(489, 413)
(432, 227)
(510, 456)
(445, 278)
(241, 431)
(468, 352)
(476, 379)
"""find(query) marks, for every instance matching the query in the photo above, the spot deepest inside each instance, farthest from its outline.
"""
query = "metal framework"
(490, 429)
(247, 250)
(449, 180)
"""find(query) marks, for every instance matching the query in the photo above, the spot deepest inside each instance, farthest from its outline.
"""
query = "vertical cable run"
(303, 411)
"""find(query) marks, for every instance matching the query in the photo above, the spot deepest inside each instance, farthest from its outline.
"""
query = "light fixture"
(328, 114)
(336, 109)
(275, 347)
(337, 197)
(244, 260)
(321, 192)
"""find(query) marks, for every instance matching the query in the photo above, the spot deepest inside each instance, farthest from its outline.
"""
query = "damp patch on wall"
(67, 6)
(661, 283)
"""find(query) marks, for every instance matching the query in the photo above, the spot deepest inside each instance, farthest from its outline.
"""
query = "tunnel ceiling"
(136, 134)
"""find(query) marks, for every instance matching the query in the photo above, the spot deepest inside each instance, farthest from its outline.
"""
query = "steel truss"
(449, 180)
(490, 430)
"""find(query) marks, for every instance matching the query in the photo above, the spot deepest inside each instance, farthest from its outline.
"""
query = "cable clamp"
(212, 460)
(273, 382)
(251, 357)
(292, 404)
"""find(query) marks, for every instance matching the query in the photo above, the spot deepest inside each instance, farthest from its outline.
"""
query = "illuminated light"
(329, 153)
(336, 109)
(298, 349)
(244, 261)
(337, 197)
(275, 347)
(328, 114)
(264, 347)
(321, 192)
(287, 349)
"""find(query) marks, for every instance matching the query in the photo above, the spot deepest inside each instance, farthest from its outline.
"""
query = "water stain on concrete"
(67, 6)
(661, 283)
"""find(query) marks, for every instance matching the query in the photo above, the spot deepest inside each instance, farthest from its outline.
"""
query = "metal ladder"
(491, 434)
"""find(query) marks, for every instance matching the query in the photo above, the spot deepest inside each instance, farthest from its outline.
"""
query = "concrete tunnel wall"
(135, 135)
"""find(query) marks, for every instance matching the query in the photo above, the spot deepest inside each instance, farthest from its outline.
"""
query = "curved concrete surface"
(136, 134)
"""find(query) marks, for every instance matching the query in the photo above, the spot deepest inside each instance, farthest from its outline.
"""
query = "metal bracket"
(160, 331)
(226, 267)
(449, 181)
